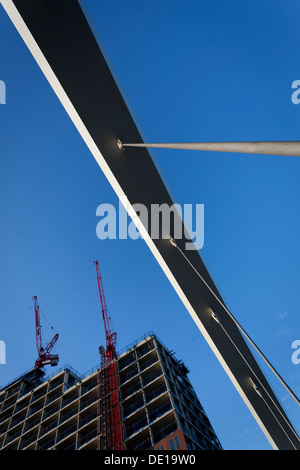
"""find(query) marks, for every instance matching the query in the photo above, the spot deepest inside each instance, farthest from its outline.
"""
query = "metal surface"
(62, 42)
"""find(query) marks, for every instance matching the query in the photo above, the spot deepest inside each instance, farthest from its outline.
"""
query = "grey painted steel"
(288, 149)
(61, 40)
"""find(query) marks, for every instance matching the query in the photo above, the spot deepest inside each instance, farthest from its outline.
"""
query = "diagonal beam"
(62, 42)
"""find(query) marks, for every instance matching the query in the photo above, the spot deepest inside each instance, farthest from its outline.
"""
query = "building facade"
(159, 408)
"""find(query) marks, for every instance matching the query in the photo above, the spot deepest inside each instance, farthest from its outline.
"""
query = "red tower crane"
(110, 338)
(45, 356)
(110, 420)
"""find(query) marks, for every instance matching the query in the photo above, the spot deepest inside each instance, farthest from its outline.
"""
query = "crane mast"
(109, 410)
(110, 337)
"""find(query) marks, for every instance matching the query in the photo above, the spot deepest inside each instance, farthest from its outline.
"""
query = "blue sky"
(192, 70)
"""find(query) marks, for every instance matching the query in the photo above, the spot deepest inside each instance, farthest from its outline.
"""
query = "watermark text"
(296, 94)
(296, 353)
(159, 221)
(2, 352)
(2, 92)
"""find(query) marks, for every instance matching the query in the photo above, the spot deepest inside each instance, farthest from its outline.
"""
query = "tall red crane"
(110, 338)
(110, 418)
(45, 356)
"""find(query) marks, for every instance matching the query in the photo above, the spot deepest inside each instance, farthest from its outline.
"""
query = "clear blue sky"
(193, 70)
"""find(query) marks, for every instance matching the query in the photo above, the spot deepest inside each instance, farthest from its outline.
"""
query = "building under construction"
(139, 399)
(142, 400)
